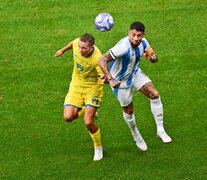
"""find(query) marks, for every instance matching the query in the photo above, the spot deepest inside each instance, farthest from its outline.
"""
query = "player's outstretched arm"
(67, 47)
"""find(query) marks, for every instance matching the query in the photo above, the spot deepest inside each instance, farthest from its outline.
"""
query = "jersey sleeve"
(147, 50)
(118, 50)
(145, 44)
(75, 44)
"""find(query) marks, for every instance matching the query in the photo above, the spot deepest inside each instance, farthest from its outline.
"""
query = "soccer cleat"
(139, 140)
(98, 153)
(164, 137)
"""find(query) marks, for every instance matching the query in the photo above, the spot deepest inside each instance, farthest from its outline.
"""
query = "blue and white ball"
(104, 22)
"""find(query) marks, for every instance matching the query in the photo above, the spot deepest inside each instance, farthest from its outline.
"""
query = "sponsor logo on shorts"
(95, 101)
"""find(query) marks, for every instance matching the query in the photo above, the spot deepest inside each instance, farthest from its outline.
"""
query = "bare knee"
(92, 128)
(128, 109)
(154, 95)
(70, 113)
(150, 91)
(69, 118)
(88, 123)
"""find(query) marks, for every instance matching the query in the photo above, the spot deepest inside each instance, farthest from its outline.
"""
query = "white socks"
(130, 120)
(157, 111)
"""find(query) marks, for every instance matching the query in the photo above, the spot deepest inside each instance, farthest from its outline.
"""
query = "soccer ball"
(104, 22)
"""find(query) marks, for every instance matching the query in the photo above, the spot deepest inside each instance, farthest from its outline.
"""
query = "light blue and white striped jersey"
(126, 60)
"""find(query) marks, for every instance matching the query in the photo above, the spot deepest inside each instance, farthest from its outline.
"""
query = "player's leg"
(125, 98)
(145, 86)
(157, 110)
(89, 119)
(92, 102)
(129, 118)
(94, 131)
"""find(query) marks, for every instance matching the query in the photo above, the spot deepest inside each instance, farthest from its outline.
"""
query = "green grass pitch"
(36, 143)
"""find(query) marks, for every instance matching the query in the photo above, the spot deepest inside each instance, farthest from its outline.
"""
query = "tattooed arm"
(103, 62)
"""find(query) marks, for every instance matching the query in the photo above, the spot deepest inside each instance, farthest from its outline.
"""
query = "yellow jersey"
(86, 70)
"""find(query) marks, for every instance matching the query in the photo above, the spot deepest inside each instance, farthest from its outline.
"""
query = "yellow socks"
(96, 137)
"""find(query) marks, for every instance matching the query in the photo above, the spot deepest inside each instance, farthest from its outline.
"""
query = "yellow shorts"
(88, 95)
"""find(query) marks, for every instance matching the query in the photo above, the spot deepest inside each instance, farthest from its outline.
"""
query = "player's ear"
(143, 34)
(92, 47)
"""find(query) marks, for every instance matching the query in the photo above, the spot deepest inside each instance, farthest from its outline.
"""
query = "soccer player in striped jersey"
(86, 87)
(124, 76)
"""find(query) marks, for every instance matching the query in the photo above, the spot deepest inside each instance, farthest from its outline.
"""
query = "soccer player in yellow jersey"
(86, 87)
